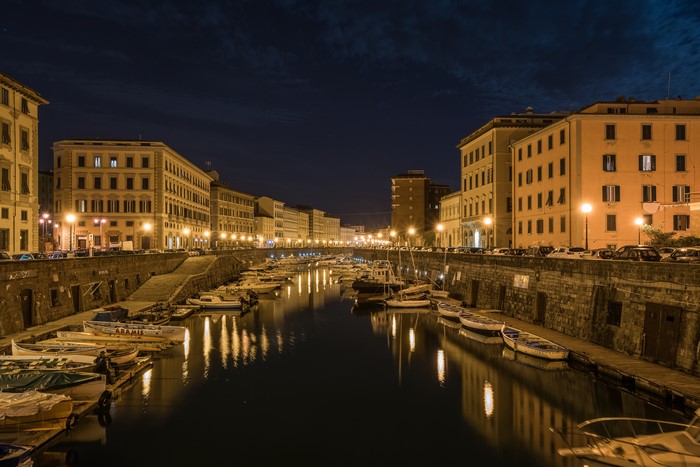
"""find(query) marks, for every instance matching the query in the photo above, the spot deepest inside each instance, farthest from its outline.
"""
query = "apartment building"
(487, 176)
(19, 166)
(450, 224)
(129, 194)
(266, 206)
(232, 215)
(605, 172)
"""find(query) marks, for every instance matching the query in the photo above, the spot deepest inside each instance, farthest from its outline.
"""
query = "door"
(75, 294)
(662, 324)
(501, 297)
(26, 297)
(112, 292)
(474, 293)
(540, 307)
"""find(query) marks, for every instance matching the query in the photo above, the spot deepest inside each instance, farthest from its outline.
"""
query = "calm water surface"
(307, 380)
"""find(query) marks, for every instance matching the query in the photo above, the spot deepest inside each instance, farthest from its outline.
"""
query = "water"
(307, 380)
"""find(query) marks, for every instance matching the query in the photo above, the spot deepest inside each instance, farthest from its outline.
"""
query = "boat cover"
(27, 403)
(40, 380)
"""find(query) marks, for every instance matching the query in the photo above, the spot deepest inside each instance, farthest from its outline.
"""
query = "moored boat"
(15, 455)
(209, 301)
(479, 322)
(34, 362)
(78, 385)
(448, 310)
(35, 411)
(54, 350)
(181, 312)
(174, 333)
(402, 302)
(531, 344)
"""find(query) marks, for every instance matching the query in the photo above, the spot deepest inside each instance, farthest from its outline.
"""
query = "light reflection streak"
(206, 344)
(146, 380)
(224, 345)
(299, 283)
(264, 342)
(488, 399)
(245, 345)
(393, 326)
(441, 366)
(316, 280)
(411, 340)
(235, 343)
(186, 351)
(308, 283)
(280, 341)
(325, 279)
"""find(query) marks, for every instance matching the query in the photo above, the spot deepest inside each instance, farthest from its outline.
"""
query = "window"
(58, 162)
(97, 183)
(490, 147)
(25, 183)
(5, 101)
(614, 317)
(6, 179)
(562, 224)
(681, 194)
(562, 196)
(81, 183)
(81, 161)
(611, 222)
(680, 162)
(609, 131)
(98, 161)
(550, 198)
(23, 216)
(648, 219)
(646, 131)
(25, 106)
(24, 240)
(112, 183)
(539, 173)
(562, 137)
(540, 226)
(24, 139)
(509, 204)
(611, 193)
(6, 133)
(144, 184)
(550, 170)
(681, 222)
(97, 205)
(539, 200)
(562, 166)
(529, 227)
(550, 142)
(648, 193)
(129, 161)
(129, 206)
(520, 154)
(680, 132)
(529, 202)
(528, 176)
(520, 204)
(609, 163)
(520, 179)
(529, 150)
(647, 163)
(539, 146)
(58, 183)
(129, 183)
(113, 205)
(550, 225)
(4, 239)
(520, 227)
(113, 162)
(81, 205)
(4, 214)
(145, 206)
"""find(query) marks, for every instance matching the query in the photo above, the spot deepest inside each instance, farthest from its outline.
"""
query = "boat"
(450, 323)
(448, 310)
(78, 385)
(181, 312)
(35, 411)
(534, 362)
(479, 322)
(406, 302)
(379, 279)
(122, 349)
(173, 333)
(160, 317)
(210, 301)
(480, 337)
(626, 441)
(56, 350)
(531, 344)
(110, 313)
(34, 362)
(16, 455)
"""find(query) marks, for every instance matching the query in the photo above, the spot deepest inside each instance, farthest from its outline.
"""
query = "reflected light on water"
(393, 326)
(146, 380)
(316, 280)
(206, 344)
(325, 279)
(412, 340)
(441, 366)
(488, 399)
(186, 351)
(299, 290)
(280, 341)
(224, 345)
(264, 342)
(235, 343)
(308, 283)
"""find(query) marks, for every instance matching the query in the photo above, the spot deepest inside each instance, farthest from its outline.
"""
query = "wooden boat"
(15, 455)
(174, 333)
(33, 362)
(449, 311)
(407, 302)
(210, 301)
(531, 344)
(624, 441)
(35, 411)
(78, 385)
(479, 322)
(111, 313)
(121, 350)
(150, 317)
(56, 350)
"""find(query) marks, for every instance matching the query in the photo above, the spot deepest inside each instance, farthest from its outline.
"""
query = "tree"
(658, 237)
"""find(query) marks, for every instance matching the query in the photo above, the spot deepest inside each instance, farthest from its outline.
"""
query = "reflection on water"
(304, 380)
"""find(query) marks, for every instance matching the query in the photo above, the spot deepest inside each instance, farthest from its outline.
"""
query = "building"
(129, 194)
(606, 171)
(19, 166)
(232, 215)
(266, 206)
(487, 176)
(450, 226)
(415, 204)
(45, 212)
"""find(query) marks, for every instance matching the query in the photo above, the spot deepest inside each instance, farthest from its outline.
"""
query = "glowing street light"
(640, 222)
(70, 218)
(186, 234)
(488, 222)
(440, 228)
(586, 208)
(100, 221)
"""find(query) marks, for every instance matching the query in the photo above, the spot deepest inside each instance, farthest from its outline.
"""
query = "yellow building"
(232, 216)
(19, 166)
(140, 194)
(487, 175)
(450, 226)
(605, 172)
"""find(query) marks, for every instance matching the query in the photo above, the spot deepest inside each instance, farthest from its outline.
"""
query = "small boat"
(78, 385)
(534, 362)
(174, 333)
(34, 362)
(531, 344)
(35, 411)
(15, 455)
(209, 301)
(56, 350)
(121, 350)
(111, 313)
(448, 310)
(405, 302)
(181, 312)
(623, 441)
(479, 322)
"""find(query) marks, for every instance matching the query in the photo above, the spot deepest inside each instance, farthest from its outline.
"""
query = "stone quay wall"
(646, 310)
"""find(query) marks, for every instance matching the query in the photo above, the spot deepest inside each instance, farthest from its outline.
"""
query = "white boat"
(35, 411)
(380, 278)
(209, 301)
(56, 350)
(531, 344)
(636, 442)
(407, 302)
(37, 362)
(181, 312)
(78, 385)
(174, 333)
(479, 322)
(448, 310)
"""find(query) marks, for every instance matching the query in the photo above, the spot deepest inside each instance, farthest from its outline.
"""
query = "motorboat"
(16, 455)
(378, 279)
(209, 301)
(122, 348)
(625, 441)
(531, 344)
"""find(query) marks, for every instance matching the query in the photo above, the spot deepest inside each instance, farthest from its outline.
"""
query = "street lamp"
(70, 218)
(101, 221)
(586, 208)
(440, 228)
(147, 229)
(488, 222)
(640, 222)
(206, 238)
(186, 234)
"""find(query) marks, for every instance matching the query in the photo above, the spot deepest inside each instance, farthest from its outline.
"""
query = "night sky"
(321, 103)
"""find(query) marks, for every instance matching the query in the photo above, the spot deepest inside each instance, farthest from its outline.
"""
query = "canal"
(308, 379)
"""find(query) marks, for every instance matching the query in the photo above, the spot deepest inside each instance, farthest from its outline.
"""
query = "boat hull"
(531, 344)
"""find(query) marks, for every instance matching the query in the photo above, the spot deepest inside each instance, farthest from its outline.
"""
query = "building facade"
(232, 216)
(607, 171)
(450, 233)
(19, 166)
(128, 194)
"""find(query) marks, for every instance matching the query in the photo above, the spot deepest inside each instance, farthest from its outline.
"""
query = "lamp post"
(186, 235)
(392, 235)
(206, 239)
(70, 218)
(101, 221)
(488, 222)
(586, 208)
(440, 228)
(147, 229)
(640, 222)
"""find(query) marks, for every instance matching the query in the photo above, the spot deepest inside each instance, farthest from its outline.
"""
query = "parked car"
(539, 250)
(598, 253)
(684, 255)
(28, 256)
(570, 252)
(500, 251)
(665, 251)
(5, 256)
(518, 251)
(639, 253)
